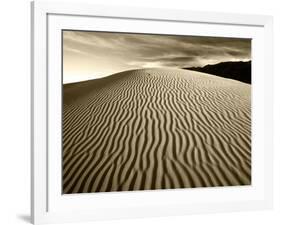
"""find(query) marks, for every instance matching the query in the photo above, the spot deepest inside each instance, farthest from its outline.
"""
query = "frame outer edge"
(179, 15)
(269, 105)
(39, 11)
(39, 114)
(32, 206)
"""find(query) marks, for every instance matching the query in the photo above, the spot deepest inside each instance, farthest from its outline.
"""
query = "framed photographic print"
(149, 112)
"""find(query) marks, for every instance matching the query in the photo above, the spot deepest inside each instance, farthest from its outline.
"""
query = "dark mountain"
(240, 71)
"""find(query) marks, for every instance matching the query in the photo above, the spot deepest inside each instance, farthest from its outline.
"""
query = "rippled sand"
(156, 129)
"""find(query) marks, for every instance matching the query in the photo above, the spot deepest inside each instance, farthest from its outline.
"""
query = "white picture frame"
(48, 205)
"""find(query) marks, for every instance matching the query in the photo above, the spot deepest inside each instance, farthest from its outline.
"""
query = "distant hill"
(240, 71)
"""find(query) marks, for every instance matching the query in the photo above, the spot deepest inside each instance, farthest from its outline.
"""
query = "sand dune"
(156, 129)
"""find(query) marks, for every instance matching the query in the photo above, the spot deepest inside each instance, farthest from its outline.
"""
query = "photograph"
(144, 112)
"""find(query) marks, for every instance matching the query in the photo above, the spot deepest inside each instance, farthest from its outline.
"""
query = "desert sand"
(156, 128)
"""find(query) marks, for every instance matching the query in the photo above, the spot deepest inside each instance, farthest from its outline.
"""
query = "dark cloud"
(104, 53)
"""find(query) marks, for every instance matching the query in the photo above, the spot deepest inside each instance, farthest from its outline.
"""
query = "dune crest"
(156, 129)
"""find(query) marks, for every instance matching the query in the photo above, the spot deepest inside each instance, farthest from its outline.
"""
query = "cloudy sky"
(91, 55)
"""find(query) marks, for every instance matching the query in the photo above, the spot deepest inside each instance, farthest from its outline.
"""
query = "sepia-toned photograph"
(154, 111)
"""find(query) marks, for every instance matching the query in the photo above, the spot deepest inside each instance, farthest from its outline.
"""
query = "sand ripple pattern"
(156, 129)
